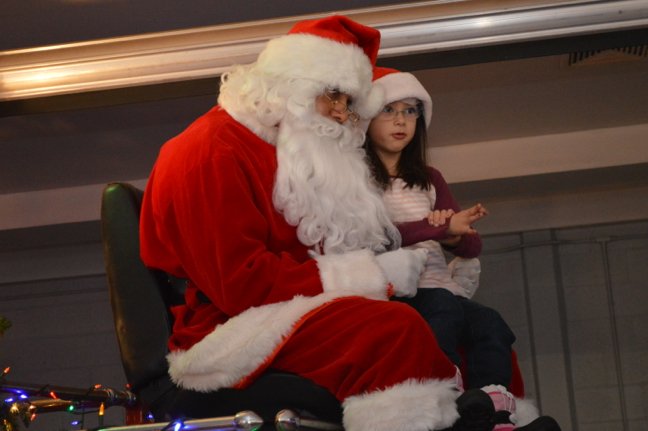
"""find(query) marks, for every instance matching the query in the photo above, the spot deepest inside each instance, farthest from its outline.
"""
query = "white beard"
(323, 187)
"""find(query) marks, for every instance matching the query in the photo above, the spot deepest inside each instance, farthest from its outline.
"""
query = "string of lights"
(21, 402)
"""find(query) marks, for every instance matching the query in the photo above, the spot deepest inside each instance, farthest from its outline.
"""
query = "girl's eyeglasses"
(389, 113)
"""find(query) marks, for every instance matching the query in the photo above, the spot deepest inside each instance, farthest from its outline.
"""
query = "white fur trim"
(402, 85)
(525, 412)
(268, 134)
(409, 406)
(334, 64)
(373, 104)
(377, 101)
(352, 273)
(239, 346)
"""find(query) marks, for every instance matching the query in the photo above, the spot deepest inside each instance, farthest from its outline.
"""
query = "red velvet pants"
(356, 345)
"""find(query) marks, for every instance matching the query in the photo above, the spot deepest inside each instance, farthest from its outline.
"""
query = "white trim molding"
(206, 52)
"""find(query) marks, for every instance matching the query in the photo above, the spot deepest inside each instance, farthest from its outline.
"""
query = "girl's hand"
(439, 217)
(461, 222)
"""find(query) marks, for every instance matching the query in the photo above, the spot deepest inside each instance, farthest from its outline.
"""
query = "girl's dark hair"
(412, 166)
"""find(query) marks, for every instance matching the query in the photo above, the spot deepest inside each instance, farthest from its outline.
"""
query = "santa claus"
(264, 204)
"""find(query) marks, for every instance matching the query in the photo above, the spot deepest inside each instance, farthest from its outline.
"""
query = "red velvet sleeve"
(225, 236)
(212, 209)
(421, 230)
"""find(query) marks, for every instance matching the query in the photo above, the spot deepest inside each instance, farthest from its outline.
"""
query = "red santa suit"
(255, 297)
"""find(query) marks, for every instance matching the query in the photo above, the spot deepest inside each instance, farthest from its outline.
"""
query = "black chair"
(140, 299)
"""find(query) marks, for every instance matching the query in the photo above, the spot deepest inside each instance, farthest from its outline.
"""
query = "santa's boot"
(543, 423)
(476, 411)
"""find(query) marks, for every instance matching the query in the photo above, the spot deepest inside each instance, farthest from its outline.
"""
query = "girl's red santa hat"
(396, 85)
(336, 51)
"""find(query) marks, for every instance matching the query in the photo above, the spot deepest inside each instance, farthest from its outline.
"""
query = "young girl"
(422, 207)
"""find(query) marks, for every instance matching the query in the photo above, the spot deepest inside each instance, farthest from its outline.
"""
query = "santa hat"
(336, 51)
(397, 85)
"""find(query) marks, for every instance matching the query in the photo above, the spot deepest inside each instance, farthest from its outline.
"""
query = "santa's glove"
(403, 268)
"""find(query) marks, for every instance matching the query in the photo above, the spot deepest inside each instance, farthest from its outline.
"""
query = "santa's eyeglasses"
(340, 107)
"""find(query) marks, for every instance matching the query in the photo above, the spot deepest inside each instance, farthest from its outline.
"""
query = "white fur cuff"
(525, 412)
(408, 406)
(239, 346)
(352, 273)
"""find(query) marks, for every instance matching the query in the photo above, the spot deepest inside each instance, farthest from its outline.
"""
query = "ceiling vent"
(602, 56)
